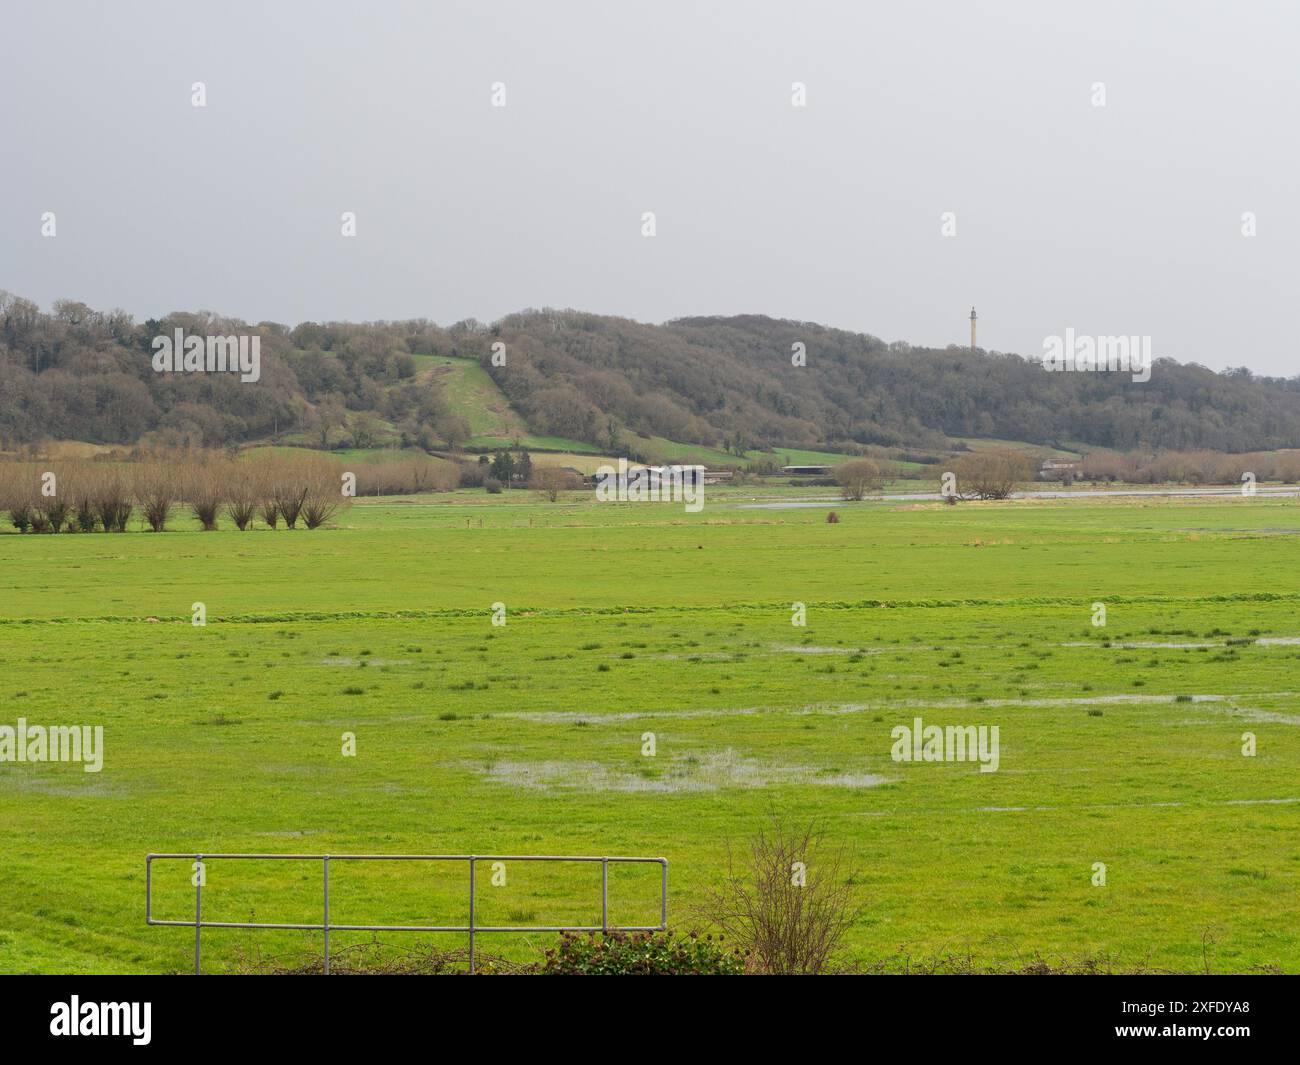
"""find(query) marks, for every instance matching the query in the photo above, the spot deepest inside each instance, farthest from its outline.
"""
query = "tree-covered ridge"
(734, 376)
(76, 373)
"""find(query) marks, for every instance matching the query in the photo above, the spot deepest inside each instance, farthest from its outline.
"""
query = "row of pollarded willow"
(91, 496)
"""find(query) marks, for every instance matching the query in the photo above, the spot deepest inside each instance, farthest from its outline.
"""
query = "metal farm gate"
(472, 929)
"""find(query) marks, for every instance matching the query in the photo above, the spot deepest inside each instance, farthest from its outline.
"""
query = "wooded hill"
(79, 374)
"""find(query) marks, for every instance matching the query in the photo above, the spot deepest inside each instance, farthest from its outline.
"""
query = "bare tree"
(857, 477)
(453, 429)
(329, 413)
(550, 481)
(993, 473)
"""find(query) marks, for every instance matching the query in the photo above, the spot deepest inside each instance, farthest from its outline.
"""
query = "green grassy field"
(1120, 745)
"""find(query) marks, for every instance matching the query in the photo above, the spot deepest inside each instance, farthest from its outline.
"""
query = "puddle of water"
(369, 661)
(1265, 716)
(1079, 806)
(1119, 493)
(683, 774)
(292, 832)
(806, 650)
(1141, 645)
(673, 657)
(65, 786)
(560, 717)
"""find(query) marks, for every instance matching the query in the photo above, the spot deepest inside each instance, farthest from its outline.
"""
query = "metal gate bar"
(473, 929)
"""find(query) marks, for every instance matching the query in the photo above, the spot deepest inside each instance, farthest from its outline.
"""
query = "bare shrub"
(1286, 467)
(1189, 467)
(406, 476)
(787, 901)
(1102, 466)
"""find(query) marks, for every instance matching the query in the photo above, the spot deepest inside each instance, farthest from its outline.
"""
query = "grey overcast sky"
(1122, 219)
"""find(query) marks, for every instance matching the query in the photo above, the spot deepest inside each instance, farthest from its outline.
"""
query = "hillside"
(730, 381)
(581, 382)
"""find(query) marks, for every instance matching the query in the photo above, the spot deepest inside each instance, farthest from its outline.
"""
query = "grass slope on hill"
(470, 393)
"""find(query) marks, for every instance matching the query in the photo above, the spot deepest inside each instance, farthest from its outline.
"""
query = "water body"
(829, 502)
